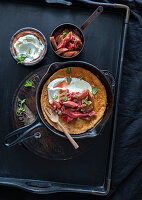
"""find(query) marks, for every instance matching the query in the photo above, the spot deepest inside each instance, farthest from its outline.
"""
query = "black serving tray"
(105, 41)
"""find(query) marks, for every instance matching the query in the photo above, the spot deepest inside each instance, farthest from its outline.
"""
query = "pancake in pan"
(77, 125)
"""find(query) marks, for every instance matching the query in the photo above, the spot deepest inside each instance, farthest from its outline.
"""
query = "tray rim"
(54, 187)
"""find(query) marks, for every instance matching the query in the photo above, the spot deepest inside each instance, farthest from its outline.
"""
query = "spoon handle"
(72, 141)
(95, 14)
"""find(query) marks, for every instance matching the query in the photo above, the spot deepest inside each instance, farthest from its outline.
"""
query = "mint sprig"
(21, 106)
(65, 98)
(82, 78)
(56, 97)
(69, 79)
(28, 84)
(64, 33)
(20, 59)
(87, 102)
(22, 110)
(68, 70)
(94, 91)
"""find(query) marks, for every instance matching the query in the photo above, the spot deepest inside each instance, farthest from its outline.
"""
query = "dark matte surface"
(90, 167)
(127, 167)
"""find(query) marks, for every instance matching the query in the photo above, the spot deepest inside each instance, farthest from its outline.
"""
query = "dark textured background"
(127, 163)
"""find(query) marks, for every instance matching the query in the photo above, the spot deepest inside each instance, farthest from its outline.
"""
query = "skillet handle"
(95, 131)
(10, 140)
(54, 66)
(110, 77)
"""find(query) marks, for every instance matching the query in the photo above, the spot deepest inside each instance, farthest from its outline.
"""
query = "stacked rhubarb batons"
(67, 43)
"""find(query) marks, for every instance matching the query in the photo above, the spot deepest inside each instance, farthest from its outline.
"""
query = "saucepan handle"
(110, 77)
(95, 14)
(21, 134)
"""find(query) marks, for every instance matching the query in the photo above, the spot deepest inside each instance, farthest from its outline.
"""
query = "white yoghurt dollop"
(76, 85)
(29, 47)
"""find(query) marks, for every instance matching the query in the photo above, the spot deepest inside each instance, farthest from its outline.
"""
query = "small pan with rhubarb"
(67, 40)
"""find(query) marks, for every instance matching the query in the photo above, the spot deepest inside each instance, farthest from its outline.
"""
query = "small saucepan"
(104, 76)
(76, 30)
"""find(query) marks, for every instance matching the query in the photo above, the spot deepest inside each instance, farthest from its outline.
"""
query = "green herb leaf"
(75, 96)
(55, 97)
(94, 91)
(64, 33)
(65, 98)
(21, 106)
(82, 78)
(20, 59)
(82, 109)
(21, 109)
(23, 101)
(28, 84)
(68, 70)
(20, 62)
(62, 38)
(69, 79)
(87, 102)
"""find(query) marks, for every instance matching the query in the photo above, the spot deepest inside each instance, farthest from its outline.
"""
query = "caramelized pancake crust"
(77, 126)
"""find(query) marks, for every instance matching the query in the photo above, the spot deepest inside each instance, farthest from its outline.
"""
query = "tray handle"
(10, 140)
(63, 2)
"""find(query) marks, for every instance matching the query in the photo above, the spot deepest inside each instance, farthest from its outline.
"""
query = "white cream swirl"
(76, 85)
(29, 47)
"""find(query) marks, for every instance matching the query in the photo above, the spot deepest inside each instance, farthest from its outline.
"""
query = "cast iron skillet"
(40, 120)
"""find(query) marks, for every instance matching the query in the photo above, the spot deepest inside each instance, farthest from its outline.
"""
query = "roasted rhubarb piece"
(55, 105)
(70, 104)
(62, 84)
(83, 94)
(61, 36)
(79, 114)
(67, 43)
(77, 45)
(91, 98)
(63, 43)
(62, 50)
(66, 118)
(70, 53)
(52, 39)
(59, 39)
(70, 46)
(75, 37)
(75, 105)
